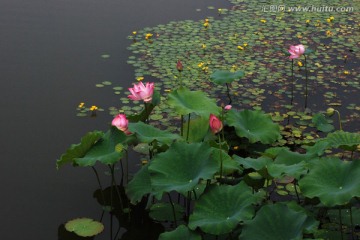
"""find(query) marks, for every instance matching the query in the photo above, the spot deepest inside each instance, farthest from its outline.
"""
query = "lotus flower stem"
(195, 197)
(351, 223)
(228, 93)
(338, 113)
(98, 180)
(181, 126)
(221, 160)
(173, 209)
(113, 184)
(306, 82)
(188, 128)
(297, 194)
(340, 222)
(293, 81)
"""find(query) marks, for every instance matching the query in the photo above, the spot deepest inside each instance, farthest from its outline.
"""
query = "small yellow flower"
(93, 108)
(203, 46)
(148, 36)
(263, 20)
(206, 20)
(140, 78)
(346, 72)
(240, 47)
(205, 69)
(200, 65)
(236, 147)
(299, 63)
(134, 32)
(219, 10)
(307, 21)
(206, 24)
(331, 18)
(328, 20)
(81, 105)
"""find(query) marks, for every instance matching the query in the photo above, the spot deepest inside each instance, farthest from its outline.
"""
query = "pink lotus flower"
(142, 92)
(296, 51)
(227, 107)
(215, 124)
(179, 66)
(121, 123)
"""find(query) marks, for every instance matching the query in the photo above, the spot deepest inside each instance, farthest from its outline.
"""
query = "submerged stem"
(228, 93)
(98, 180)
(173, 209)
(306, 83)
(340, 125)
(293, 81)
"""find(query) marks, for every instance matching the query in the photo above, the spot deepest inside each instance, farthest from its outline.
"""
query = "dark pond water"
(50, 55)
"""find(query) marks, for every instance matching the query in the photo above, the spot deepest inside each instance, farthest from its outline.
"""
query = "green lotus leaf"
(287, 157)
(79, 150)
(222, 208)
(254, 125)
(181, 167)
(311, 224)
(333, 181)
(107, 151)
(84, 227)
(254, 163)
(282, 170)
(147, 133)
(164, 212)
(180, 233)
(345, 140)
(139, 185)
(185, 101)
(318, 148)
(222, 76)
(276, 221)
(229, 164)
(321, 123)
(199, 127)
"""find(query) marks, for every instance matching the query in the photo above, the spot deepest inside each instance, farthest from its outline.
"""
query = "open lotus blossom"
(121, 123)
(142, 92)
(215, 124)
(296, 51)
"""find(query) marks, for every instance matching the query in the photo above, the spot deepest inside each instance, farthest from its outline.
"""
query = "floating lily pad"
(84, 227)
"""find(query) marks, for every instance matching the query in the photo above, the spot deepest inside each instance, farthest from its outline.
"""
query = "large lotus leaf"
(311, 224)
(254, 125)
(333, 181)
(318, 148)
(321, 123)
(107, 151)
(180, 233)
(282, 170)
(222, 208)
(254, 163)
(287, 157)
(164, 211)
(147, 133)
(223, 76)
(185, 101)
(181, 167)
(139, 185)
(84, 227)
(79, 150)
(345, 140)
(229, 164)
(199, 127)
(275, 222)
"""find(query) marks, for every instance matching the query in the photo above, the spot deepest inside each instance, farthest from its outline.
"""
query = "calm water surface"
(50, 60)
